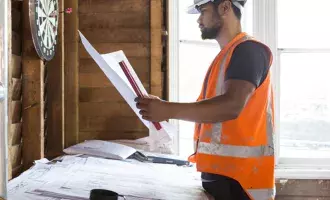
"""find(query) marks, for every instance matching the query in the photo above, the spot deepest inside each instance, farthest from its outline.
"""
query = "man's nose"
(199, 19)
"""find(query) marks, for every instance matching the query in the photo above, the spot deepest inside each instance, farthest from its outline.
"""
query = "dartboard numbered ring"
(44, 26)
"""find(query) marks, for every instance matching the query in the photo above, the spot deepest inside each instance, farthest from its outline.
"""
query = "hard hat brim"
(193, 8)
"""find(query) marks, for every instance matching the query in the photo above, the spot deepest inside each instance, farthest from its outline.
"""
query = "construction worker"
(234, 148)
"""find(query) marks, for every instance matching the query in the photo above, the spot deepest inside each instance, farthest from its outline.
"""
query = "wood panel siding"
(71, 74)
(124, 25)
(54, 130)
(15, 89)
(32, 96)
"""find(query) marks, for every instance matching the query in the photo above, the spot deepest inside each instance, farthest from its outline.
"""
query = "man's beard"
(210, 33)
(213, 32)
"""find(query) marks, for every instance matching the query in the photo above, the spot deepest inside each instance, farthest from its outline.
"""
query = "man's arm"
(217, 109)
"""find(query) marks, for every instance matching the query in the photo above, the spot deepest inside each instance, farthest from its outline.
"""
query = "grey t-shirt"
(249, 62)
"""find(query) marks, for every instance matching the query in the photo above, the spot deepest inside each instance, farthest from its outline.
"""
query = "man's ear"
(224, 8)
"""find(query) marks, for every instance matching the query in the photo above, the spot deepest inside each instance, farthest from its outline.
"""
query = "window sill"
(315, 173)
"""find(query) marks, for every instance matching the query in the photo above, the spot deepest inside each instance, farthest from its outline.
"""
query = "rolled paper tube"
(135, 87)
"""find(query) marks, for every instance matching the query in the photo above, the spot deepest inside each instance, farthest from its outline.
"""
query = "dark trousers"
(224, 188)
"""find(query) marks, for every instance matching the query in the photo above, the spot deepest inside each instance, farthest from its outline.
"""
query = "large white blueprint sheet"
(109, 63)
(76, 176)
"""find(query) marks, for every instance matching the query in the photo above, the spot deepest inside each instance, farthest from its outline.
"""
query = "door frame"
(4, 8)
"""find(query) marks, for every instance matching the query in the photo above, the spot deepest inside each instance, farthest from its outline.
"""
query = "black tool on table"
(99, 194)
(159, 158)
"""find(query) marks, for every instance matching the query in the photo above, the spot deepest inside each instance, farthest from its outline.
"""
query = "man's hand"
(153, 109)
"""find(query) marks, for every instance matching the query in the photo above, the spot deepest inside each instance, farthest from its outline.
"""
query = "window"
(303, 51)
(298, 35)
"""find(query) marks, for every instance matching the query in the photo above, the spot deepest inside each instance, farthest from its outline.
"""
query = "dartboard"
(44, 23)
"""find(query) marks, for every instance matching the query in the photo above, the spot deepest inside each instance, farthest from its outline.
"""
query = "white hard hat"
(193, 8)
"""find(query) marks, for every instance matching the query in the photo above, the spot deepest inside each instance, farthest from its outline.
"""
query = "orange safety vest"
(243, 148)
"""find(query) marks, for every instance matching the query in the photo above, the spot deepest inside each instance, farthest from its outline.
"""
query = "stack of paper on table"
(109, 64)
(112, 150)
(99, 148)
(75, 177)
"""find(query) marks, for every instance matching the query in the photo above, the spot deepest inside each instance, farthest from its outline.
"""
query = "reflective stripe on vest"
(234, 151)
(216, 148)
(262, 194)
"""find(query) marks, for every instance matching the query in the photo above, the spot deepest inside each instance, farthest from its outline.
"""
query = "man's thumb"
(153, 97)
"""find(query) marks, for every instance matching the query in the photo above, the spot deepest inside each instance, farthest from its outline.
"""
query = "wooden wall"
(33, 99)
(71, 75)
(54, 91)
(134, 26)
(15, 90)
(42, 96)
(69, 99)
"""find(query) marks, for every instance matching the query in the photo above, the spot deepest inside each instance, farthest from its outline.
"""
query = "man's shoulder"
(251, 46)
(249, 62)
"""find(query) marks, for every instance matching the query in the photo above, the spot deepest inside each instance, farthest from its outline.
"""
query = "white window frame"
(4, 129)
(291, 168)
(265, 30)
(173, 60)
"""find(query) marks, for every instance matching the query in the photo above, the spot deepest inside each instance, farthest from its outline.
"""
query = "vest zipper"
(199, 128)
